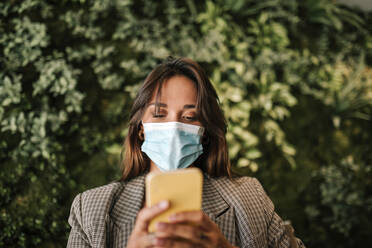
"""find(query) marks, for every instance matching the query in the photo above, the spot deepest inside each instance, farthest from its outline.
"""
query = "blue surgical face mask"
(172, 145)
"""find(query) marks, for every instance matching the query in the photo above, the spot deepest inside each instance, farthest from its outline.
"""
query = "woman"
(177, 96)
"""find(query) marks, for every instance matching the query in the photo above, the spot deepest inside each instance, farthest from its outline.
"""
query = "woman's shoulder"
(239, 182)
(240, 188)
(90, 208)
(100, 192)
(95, 202)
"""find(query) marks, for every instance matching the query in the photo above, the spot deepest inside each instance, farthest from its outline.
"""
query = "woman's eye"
(159, 114)
(190, 118)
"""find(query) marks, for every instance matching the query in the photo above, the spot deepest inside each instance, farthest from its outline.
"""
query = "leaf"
(253, 154)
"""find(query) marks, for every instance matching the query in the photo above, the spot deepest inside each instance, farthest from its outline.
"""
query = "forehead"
(176, 90)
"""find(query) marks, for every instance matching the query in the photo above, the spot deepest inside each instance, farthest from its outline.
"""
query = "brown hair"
(214, 160)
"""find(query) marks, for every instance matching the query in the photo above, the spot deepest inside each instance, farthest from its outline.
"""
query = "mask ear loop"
(141, 135)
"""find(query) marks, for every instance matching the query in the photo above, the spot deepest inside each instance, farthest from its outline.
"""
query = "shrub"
(293, 78)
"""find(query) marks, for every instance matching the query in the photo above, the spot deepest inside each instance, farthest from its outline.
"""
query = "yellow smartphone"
(182, 188)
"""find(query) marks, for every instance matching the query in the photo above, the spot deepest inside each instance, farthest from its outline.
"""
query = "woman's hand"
(190, 229)
(140, 236)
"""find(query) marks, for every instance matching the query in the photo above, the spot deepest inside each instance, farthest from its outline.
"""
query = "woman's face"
(177, 102)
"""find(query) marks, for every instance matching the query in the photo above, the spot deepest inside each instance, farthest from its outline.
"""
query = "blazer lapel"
(125, 209)
(218, 210)
(245, 214)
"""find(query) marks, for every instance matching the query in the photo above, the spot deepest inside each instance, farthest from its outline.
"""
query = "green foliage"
(294, 81)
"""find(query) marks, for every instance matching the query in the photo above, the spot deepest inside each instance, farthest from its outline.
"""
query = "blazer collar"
(129, 201)
(213, 203)
(125, 208)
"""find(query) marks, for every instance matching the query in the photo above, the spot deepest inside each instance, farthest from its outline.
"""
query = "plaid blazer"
(105, 216)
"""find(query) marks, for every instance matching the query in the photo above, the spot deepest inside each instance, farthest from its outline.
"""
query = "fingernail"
(163, 204)
(160, 225)
(172, 217)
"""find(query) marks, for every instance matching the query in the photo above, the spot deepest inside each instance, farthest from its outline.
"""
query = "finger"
(147, 240)
(198, 217)
(171, 243)
(148, 213)
(188, 232)
(142, 240)
(174, 230)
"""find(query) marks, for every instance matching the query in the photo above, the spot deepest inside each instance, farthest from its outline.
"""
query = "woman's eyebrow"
(189, 106)
(159, 104)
